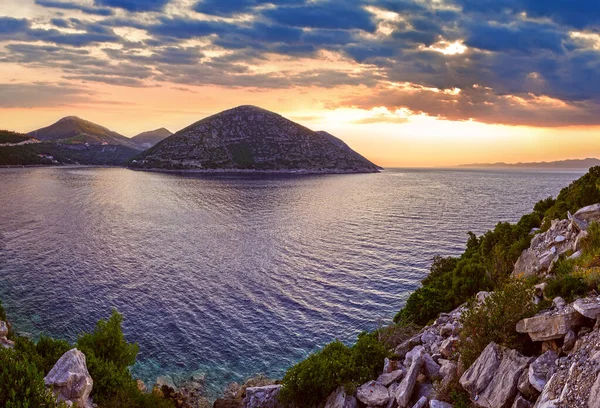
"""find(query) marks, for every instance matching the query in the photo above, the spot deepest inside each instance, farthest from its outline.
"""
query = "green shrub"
(566, 286)
(44, 354)
(495, 319)
(108, 343)
(309, 382)
(580, 193)
(22, 383)
(2, 313)
(109, 357)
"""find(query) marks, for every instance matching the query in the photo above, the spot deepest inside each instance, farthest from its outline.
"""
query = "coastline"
(254, 171)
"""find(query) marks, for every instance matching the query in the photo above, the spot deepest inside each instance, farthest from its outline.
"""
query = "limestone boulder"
(493, 378)
(388, 378)
(439, 404)
(502, 389)
(551, 325)
(448, 346)
(588, 214)
(3, 329)
(525, 387)
(588, 307)
(262, 397)
(405, 389)
(480, 374)
(542, 369)
(421, 403)
(339, 399)
(70, 380)
(521, 402)
(373, 394)
(431, 368)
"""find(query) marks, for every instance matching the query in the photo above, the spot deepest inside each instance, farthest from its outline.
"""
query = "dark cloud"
(521, 53)
(231, 7)
(134, 5)
(75, 6)
(574, 13)
(324, 14)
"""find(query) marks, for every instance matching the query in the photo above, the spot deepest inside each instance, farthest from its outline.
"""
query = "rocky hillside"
(148, 139)
(73, 130)
(250, 138)
(8, 138)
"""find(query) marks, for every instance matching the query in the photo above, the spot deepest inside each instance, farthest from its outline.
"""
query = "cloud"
(530, 66)
(574, 13)
(324, 14)
(42, 94)
(75, 6)
(481, 104)
(134, 5)
(232, 7)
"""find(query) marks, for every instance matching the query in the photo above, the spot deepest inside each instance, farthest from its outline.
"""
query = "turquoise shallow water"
(236, 275)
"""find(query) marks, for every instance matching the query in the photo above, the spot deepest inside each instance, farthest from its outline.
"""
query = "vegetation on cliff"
(488, 260)
(108, 356)
(309, 382)
(7, 136)
(55, 153)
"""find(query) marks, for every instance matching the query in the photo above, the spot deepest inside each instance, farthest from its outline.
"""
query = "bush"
(44, 354)
(109, 356)
(580, 193)
(566, 286)
(309, 382)
(495, 320)
(22, 383)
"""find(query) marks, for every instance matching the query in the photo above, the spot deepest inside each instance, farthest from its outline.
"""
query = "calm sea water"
(236, 275)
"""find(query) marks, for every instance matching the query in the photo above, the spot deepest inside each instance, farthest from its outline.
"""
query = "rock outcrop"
(4, 341)
(70, 380)
(262, 397)
(552, 324)
(250, 138)
(185, 392)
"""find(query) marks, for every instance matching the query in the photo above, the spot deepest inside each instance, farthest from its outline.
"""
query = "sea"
(232, 275)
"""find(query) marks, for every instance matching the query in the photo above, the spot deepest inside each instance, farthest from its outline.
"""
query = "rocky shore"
(562, 371)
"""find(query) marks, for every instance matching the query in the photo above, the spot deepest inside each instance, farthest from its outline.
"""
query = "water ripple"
(234, 275)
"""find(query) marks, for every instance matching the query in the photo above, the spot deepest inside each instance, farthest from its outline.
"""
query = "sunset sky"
(404, 82)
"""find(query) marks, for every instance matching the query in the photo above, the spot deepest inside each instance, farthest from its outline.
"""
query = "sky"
(404, 82)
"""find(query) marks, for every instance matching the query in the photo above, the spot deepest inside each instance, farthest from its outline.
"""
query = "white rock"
(559, 239)
(439, 404)
(421, 403)
(589, 213)
(387, 378)
(589, 308)
(262, 397)
(373, 394)
(559, 302)
(70, 380)
(542, 369)
(3, 329)
(406, 387)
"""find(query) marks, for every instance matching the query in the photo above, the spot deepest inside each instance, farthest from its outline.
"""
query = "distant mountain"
(148, 139)
(251, 138)
(561, 164)
(73, 130)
